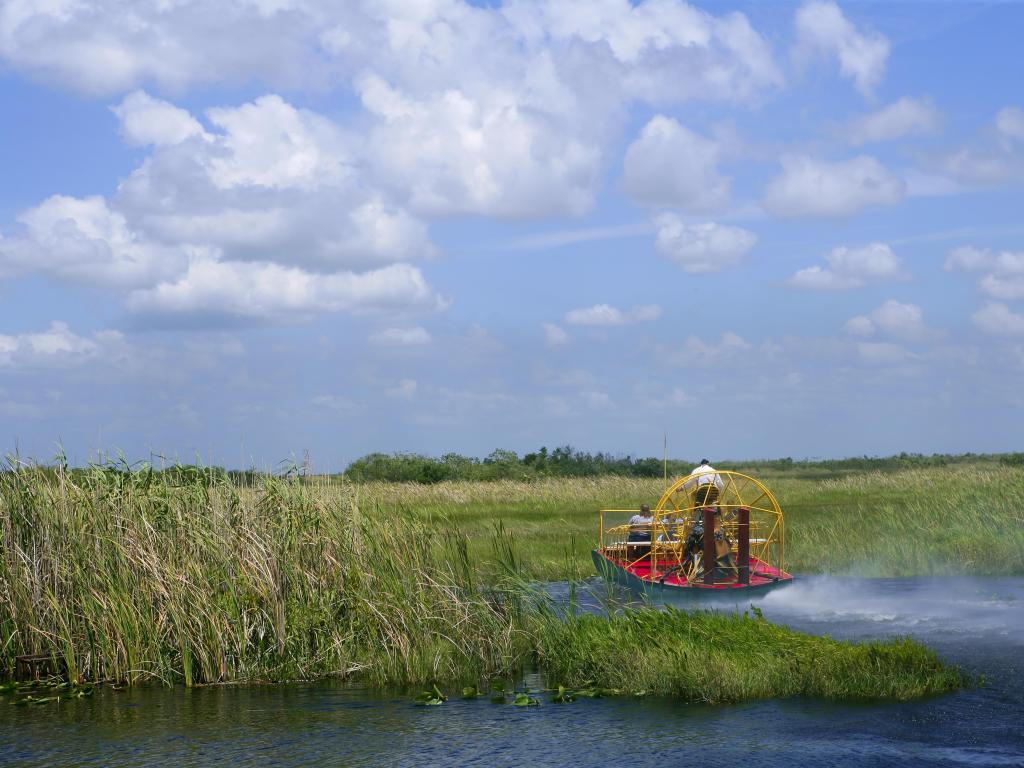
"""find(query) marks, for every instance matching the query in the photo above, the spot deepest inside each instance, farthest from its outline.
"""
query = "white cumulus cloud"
(267, 207)
(57, 346)
(861, 325)
(981, 165)
(995, 157)
(850, 268)
(999, 320)
(506, 111)
(604, 314)
(105, 46)
(823, 31)
(269, 143)
(82, 240)
(905, 117)
(255, 290)
(703, 247)
(555, 335)
(895, 319)
(145, 120)
(815, 188)
(1002, 273)
(488, 154)
(401, 337)
(670, 165)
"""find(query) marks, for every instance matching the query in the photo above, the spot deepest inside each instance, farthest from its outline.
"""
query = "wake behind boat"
(711, 533)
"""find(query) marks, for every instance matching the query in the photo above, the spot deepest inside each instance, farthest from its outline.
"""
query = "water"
(977, 623)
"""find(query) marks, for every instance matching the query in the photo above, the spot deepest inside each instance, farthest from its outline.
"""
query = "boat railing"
(663, 547)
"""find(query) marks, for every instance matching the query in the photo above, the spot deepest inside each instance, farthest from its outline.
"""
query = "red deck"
(761, 574)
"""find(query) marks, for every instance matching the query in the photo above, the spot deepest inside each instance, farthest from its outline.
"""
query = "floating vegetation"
(563, 696)
(431, 698)
(595, 692)
(24, 692)
(28, 701)
(435, 696)
(497, 691)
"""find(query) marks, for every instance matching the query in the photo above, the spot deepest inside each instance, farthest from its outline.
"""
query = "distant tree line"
(502, 464)
(567, 461)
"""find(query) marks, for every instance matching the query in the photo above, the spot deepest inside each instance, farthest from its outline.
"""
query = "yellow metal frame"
(676, 513)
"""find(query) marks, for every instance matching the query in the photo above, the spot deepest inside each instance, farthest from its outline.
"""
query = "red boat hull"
(637, 577)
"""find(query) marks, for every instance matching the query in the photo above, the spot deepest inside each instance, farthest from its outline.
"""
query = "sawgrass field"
(963, 519)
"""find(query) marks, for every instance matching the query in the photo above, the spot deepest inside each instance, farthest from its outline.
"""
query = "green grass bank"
(716, 658)
(125, 576)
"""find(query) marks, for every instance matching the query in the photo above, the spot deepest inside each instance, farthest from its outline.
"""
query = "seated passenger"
(638, 543)
(640, 525)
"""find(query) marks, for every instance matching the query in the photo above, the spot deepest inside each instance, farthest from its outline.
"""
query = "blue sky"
(785, 229)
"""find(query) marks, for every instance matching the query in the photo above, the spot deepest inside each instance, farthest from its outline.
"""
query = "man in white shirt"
(640, 525)
(638, 544)
(706, 483)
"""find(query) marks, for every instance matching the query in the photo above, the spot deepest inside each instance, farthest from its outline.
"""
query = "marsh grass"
(129, 576)
(962, 519)
(125, 577)
(715, 658)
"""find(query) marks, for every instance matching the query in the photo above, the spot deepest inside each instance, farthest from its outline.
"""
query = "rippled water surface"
(977, 623)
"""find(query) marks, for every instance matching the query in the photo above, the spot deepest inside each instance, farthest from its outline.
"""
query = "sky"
(241, 232)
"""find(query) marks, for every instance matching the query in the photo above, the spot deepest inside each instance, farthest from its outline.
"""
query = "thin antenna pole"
(665, 455)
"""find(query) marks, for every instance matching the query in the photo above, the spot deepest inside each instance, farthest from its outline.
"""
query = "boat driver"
(705, 483)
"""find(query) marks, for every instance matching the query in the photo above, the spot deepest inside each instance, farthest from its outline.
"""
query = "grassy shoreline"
(126, 577)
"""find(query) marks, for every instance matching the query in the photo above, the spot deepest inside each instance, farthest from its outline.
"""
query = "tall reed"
(124, 576)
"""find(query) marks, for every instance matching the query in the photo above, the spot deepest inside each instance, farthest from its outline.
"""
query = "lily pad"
(431, 698)
(563, 696)
(525, 700)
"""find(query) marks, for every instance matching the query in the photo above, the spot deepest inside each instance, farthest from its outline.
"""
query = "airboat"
(718, 533)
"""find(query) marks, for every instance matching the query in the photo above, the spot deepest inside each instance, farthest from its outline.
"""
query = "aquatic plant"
(24, 694)
(525, 700)
(563, 696)
(431, 698)
(713, 658)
